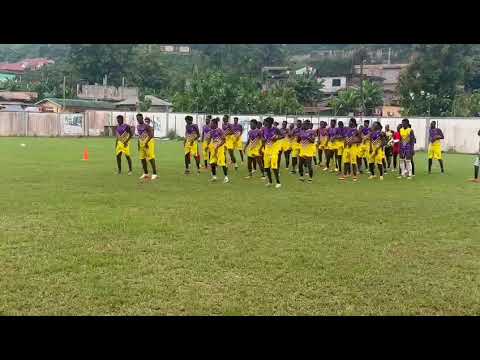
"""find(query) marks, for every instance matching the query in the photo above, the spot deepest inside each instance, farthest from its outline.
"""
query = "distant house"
(132, 104)
(25, 65)
(17, 100)
(307, 70)
(106, 93)
(6, 75)
(333, 84)
(274, 75)
(159, 105)
(73, 105)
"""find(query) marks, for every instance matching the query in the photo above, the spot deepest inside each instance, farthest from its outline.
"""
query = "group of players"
(348, 151)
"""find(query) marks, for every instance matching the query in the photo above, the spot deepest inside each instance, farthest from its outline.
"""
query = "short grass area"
(77, 239)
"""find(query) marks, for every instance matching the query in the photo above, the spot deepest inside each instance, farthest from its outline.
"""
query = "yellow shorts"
(332, 145)
(349, 155)
(270, 157)
(435, 151)
(254, 151)
(120, 148)
(285, 144)
(340, 147)
(376, 159)
(229, 142)
(363, 150)
(295, 148)
(191, 149)
(217, 157)
(308, 150)
(238, 143)
(205, 150)
(147, 153)
(322, 145)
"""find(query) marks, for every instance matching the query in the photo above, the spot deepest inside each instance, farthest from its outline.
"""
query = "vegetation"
(351, 100)
(78, 244)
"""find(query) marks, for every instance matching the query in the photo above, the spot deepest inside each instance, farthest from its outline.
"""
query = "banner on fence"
(72, 124)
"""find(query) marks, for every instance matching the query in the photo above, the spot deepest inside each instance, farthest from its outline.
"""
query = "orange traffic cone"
(85, 154)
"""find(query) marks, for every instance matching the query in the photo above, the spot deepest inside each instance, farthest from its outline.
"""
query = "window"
(336, 82)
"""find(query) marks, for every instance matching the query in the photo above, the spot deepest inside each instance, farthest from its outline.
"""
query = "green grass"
(76, 239)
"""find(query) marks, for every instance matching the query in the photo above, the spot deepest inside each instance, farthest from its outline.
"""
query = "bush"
(171, 134)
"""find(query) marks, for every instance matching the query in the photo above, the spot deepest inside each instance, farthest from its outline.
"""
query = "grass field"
(76, 239)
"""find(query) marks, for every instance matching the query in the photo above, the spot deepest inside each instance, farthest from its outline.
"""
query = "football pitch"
(77, 239)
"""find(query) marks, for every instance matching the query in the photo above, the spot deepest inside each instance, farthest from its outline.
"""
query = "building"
(387, 75)
(105, 93)
(73, 105)
(18, 101)
(132, 104)
(6, 75)
(390, 111)
(158, 105)
(176, 49)
(333, 84)
(306, 71)
(21, 67)
(274, 75)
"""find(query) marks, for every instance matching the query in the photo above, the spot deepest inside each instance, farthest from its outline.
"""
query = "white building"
(333, 84)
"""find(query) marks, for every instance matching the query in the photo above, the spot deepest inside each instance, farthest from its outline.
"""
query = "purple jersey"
(307, 136)
(227, 128)
(237, 129)
(217, 135)
(269, 134)
(295, 132)
(332, 132)
(206, 132)
(123, 131)
(351, 136)
(191, 132)
(283, 132)
(322, 133)
(143, 130)
(254, 137)
(435, 134)
(376, 138)
(340, 135)
(365, 134)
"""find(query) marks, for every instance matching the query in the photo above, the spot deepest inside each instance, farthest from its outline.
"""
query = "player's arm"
(150, 136)
(440, 135)
(130, 134)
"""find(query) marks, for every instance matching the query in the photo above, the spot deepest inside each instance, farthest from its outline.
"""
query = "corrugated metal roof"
(157, 101)
(87, 104)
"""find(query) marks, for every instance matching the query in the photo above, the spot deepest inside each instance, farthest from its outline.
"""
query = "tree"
(346, 102)
(308, 90)
(431, 82)
(94, 61)
(372, 97)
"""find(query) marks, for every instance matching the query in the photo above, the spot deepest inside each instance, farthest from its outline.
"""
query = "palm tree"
(372, 97)
(346, 102)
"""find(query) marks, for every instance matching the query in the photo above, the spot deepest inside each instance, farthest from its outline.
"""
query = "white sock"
(402, 167)
(409, 167)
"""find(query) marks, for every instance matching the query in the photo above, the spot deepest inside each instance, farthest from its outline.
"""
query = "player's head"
(253, 124)
(268, 122)
(306, 125)
(120, 119)
(333, 123)
(433, 125)
(147, 120)
(377, 126)
(208, 118)
(225, 118)
(366, 123)
(405, 123)
(340, 124)
(299, 123)
(387, 127)
(189, 119)
(360, 128)
(214, 123)
(352, 123)
(323, 124)
(291, 126)
(140, 118)
(275, 124)
(235, 120)
(259, 124)
(399, 126)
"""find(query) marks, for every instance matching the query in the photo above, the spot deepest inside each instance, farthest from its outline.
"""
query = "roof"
(12, 67)
(6, 76)
(129, 101)
(87, 104)
(157, 101)
(18, 96)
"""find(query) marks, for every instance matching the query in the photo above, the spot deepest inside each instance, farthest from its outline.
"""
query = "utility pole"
(64, 83)
(389, 54)
(361, 86)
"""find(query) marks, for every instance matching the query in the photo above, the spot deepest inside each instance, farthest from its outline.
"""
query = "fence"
(460, 133)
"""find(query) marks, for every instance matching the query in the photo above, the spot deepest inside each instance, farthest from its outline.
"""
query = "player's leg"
(249, 166)
(187, 163)
(300, 168)
(241, 154)
(320, 156)
(154, 168)
(129, 162)
(339, 162)
(279, 158)
(412, 166)
(287, 158)
(294, 161)
(310, 168)
(315, 159)
(144, 166)
(371, 167)
(232, 158)
(119, 162)
(274, 167)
